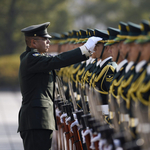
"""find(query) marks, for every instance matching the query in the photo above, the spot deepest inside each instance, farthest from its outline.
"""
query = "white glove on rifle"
(62, 116)
(91, 42)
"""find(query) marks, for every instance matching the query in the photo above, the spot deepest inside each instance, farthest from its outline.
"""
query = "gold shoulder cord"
(82, 77)
(125, 83)
(144, 88)
(92, 79)
(115, 84)
(120, 92)
(79, 73)
(85, 78)
(119, 82)
(135, 86)
(112, 89)
(60, 72)
(69, 70)
(96, 79)
(73, 72)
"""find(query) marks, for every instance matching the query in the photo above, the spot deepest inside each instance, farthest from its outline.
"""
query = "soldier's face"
(124, 49)
(145, 53)
(134, 51)
(41, 44)
(114, 51)
(98, 50)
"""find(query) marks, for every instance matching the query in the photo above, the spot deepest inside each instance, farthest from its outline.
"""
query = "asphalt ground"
(10, 103)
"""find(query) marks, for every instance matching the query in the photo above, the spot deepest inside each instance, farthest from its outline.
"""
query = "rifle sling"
(67, 132)
(77, 141)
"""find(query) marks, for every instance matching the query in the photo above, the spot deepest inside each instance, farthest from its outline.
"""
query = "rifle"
(58, 101)
(105, 130)
(59, 124)
(98, 121)
(61, 120)
(143, 126)
(75, 138)
(78, 113)
(119, 135)
(86, 115)
(72, 139)
(92, 121)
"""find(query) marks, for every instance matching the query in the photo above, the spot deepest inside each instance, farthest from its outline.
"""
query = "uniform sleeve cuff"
(84, 51)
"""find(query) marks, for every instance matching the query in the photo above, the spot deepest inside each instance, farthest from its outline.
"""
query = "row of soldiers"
(104, 102)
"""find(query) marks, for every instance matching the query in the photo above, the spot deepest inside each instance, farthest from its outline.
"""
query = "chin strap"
(138, 57)
(102, 52)
(117, 56)
(127, 55)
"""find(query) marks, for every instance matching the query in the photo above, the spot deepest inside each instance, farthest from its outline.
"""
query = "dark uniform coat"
(37, 78)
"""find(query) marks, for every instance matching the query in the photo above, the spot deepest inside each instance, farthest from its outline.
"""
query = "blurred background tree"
(103, 13)
(64, 15)
(17, 14)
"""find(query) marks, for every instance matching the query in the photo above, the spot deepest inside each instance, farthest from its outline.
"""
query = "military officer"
(37, 78)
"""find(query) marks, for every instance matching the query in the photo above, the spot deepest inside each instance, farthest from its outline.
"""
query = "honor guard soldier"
(89, 33)
(143, 92)
(101, 79)
(37, 77)
(143, 88)
(90, 64)
(134, 32)
(140, 73)
(119, 72)
(74, 69)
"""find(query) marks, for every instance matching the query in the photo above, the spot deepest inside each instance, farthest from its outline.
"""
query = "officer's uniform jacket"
(143, 93)
(95, 71)
(84, 79)
(140, 72)
(113, 92)
(80, 72)
(102, 78)
(88, 71)
(122, 93)
(74, 71)
(37, 82)
(125, 84)
(118, 76)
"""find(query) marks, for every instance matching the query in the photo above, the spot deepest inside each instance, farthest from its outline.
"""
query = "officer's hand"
(91, 42)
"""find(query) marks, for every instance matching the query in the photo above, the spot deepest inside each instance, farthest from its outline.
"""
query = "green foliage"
(9, 67)
(106, 13)
(16, 14)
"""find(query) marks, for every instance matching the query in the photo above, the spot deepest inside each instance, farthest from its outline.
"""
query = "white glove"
(67, 120)
(91, 42)
(58, 112)
(73, 124)
(62, 116)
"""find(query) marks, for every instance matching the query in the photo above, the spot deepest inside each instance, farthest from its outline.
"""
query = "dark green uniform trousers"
(39, 139)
